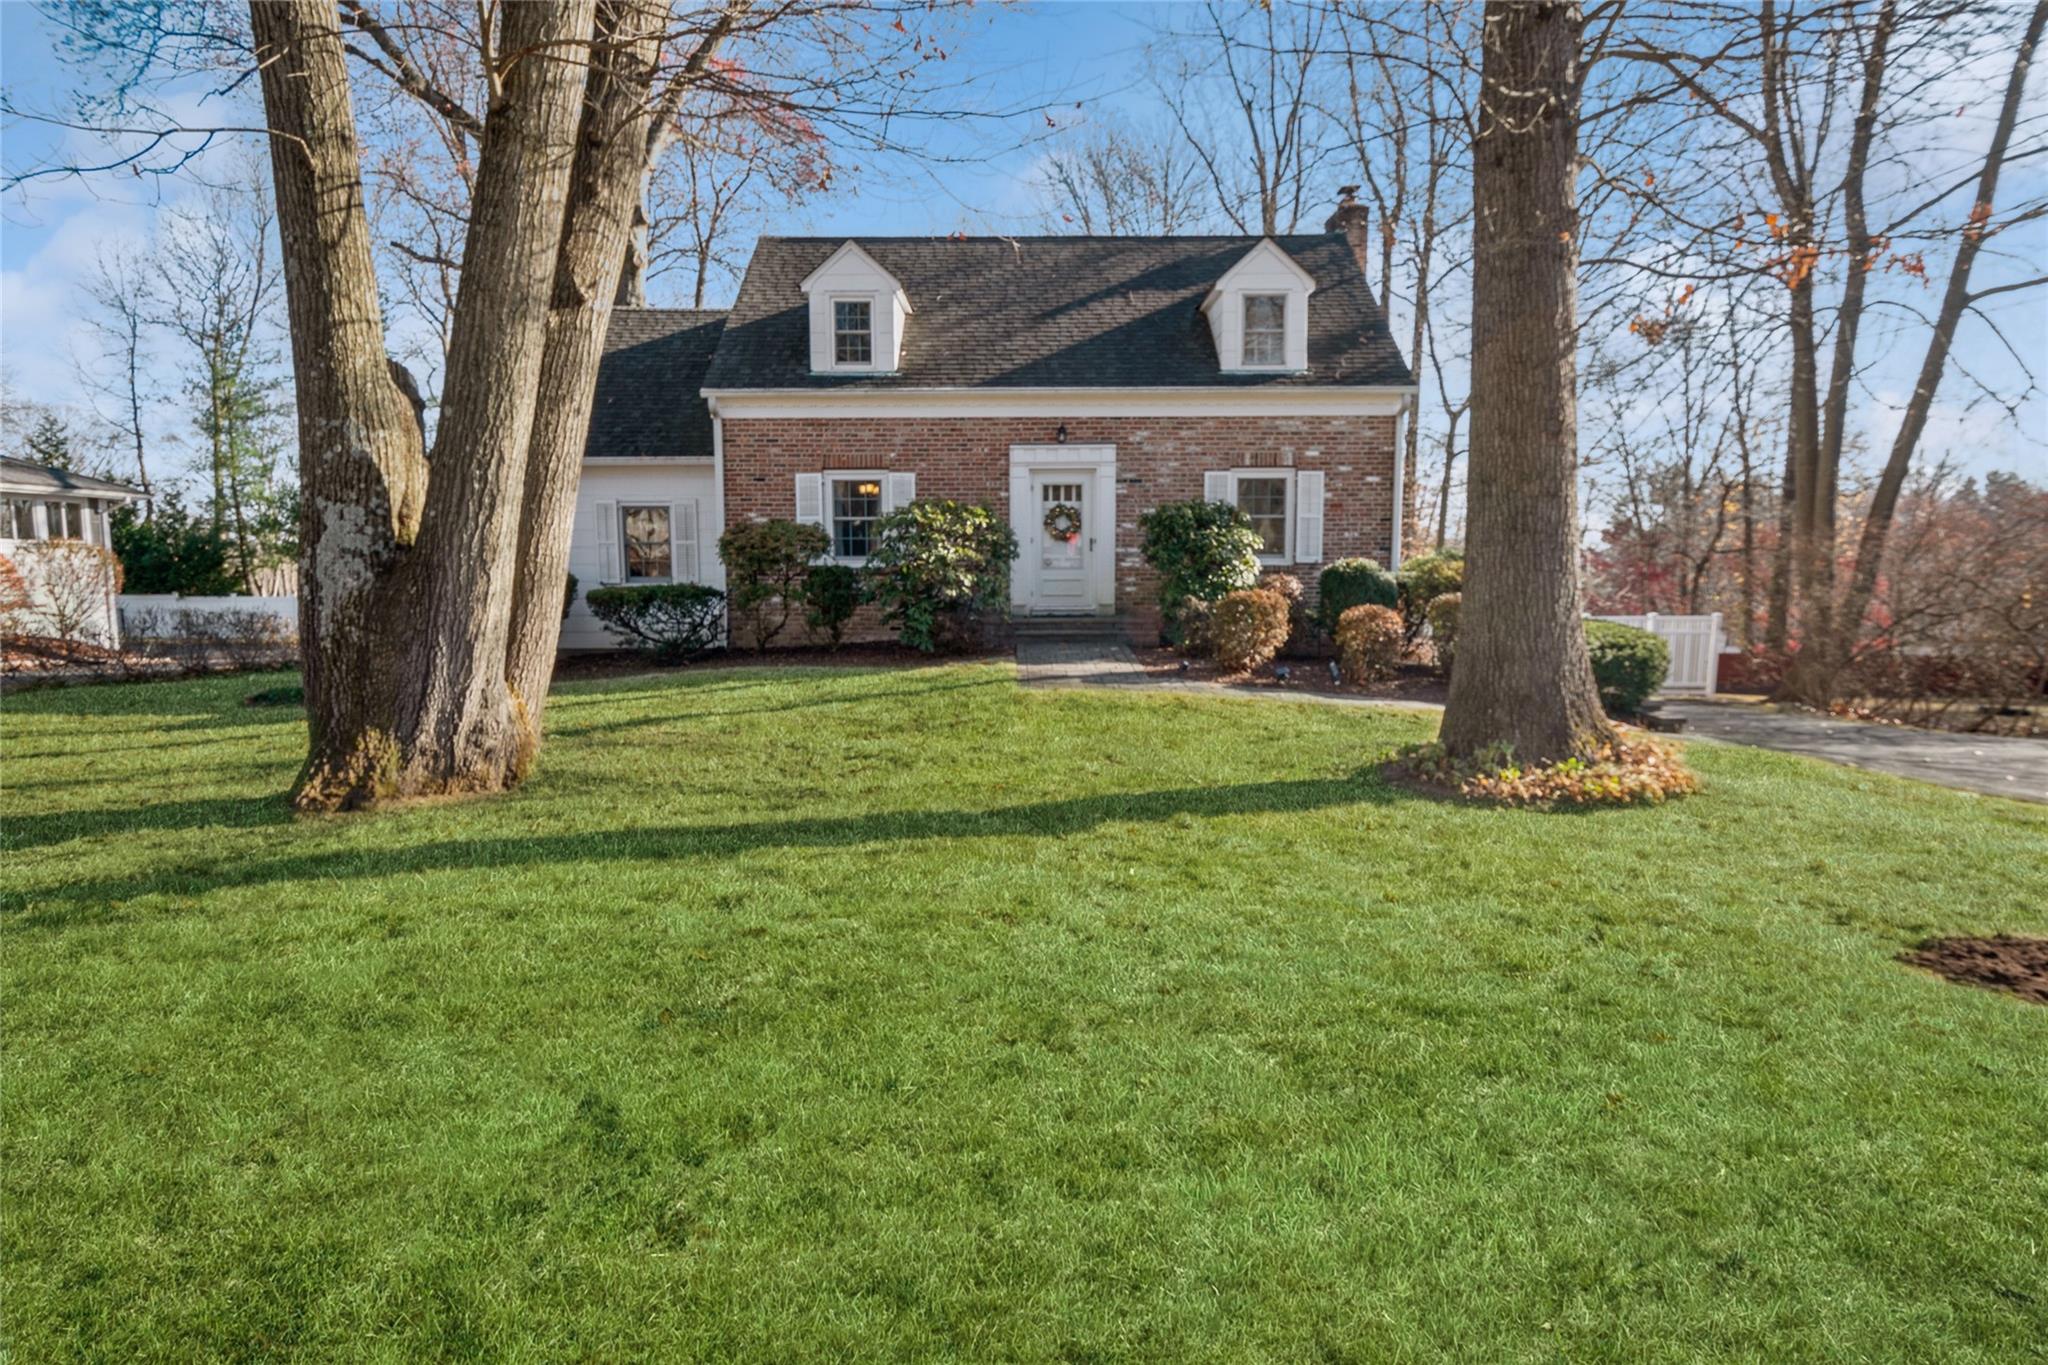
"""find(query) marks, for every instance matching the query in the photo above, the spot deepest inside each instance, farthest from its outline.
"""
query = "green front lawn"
(819, 1015)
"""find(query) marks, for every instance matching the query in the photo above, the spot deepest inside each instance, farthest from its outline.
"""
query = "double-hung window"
(1264, 499)
(854, 505)
(1265, 329)
(648, 542)
(66, 520)
(20, 519)
(853, 332)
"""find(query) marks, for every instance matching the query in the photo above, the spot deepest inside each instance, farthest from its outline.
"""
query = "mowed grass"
(824, 1014)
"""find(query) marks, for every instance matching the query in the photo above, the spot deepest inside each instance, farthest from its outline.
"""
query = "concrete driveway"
(1996, 765)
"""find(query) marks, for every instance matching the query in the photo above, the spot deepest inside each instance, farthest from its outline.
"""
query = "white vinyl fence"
(1695, 643)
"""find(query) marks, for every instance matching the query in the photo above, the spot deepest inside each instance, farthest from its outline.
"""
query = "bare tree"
(1523, 679)
(1112, 180)
(115, 378)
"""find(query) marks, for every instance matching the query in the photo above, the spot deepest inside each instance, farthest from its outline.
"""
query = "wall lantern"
(1061, 434)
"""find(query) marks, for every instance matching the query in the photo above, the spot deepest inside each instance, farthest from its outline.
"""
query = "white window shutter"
(1308, 517)
(682, 523)
(810, 499)
(1216, 486)
(607, 541)
(902, 491)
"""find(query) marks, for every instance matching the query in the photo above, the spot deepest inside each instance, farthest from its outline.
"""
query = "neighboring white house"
(40, 504)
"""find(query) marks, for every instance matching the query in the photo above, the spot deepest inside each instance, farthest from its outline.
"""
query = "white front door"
(1061, 557)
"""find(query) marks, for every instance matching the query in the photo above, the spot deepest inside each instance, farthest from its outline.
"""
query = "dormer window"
(858, 314)
(1258, 313)
(1265, 329)
(853, 332)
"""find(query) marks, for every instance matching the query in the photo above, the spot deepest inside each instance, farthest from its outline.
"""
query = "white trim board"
(1279, 401)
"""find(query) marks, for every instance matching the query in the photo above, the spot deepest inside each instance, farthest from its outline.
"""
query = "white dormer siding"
(1266, 275)
(853, 278)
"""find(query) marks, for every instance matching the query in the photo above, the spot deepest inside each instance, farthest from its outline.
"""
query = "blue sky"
(1079, 59)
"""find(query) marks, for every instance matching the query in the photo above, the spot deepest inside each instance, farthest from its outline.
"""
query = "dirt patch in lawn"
(2018, 966)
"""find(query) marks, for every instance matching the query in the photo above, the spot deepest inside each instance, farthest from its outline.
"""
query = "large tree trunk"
(405, 620)
(1523, 679)
(606, 187)
(362, 468)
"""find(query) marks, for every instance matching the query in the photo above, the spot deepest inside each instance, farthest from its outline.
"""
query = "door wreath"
(1063, 522)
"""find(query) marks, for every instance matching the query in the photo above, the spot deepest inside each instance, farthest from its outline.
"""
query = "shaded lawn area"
(905, 1015)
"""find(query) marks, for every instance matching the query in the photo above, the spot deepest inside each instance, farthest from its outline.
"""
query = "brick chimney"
(1350, 219)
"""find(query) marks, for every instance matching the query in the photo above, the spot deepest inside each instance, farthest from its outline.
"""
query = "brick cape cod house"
(1108, 374)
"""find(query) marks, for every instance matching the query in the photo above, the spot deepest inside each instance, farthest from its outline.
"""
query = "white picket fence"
(1695, 642)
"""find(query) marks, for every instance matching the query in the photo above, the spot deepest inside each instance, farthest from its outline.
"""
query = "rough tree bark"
(408, 586)
(1523, 679)
(605, 191)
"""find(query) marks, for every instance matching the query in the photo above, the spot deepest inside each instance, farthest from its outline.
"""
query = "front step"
(1116, 628)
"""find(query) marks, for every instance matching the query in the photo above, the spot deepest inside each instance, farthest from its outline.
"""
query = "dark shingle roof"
(24, 476)
(647, 403)
(1050, 312)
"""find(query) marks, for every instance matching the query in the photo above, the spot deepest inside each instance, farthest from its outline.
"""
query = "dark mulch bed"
(621, 663)
(2002, 962)
(1414, 682)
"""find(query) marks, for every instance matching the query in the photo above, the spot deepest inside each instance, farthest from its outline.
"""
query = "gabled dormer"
(1258, 313)
(858, 311)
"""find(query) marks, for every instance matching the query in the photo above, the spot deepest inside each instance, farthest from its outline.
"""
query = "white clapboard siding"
(1695, 643)
(1308, 517)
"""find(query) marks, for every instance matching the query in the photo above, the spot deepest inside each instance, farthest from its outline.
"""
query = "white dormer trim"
(1265, 269)
(849, 274)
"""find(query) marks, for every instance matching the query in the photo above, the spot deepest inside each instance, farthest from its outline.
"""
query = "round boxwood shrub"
(1425, 578)
(1201, 550)
(1349, 583)
(1369, 640)
(1443, 627)
(673, 621)
(831, 594)
(766, 564)
(940, 571)
(1247, 628)
(1629, 664)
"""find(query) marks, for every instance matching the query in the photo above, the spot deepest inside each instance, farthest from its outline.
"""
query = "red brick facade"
(1158, 459)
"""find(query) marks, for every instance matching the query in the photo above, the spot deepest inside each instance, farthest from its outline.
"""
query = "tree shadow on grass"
(686, 714)
(71, 903)
(36, 831)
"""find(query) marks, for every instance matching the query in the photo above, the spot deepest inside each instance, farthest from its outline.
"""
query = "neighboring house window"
(21, 519)
(1265, 329)
(856, 505)
(649, 548)
(853, 332)
(67, 520)
(1263, 498)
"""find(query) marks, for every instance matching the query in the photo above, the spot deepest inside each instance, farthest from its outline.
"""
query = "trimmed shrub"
(940, 572)
(1349, 583)
(1286, 585)
(1425, 578)
(1369, 640)
(1201, 550)
(672, 621)
(1629, 664)
(569, 597)
(1443, 627)
(832, 593)
(1247, 628)
(766, 566)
